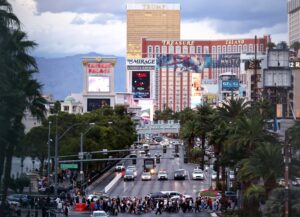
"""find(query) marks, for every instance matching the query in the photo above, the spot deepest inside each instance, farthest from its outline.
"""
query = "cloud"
(63, 32)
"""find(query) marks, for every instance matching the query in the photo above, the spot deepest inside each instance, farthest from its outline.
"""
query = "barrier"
(80, 207)
(112, 183)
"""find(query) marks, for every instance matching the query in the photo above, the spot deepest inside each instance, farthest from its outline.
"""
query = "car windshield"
(99, 214)
(129, 172)
(162, 172)
(197, 171)
(146, 174)
(181, 172)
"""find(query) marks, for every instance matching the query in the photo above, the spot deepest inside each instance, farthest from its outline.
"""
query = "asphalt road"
(142, 188)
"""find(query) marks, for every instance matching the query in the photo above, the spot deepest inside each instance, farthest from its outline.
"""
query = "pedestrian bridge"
(159, 127)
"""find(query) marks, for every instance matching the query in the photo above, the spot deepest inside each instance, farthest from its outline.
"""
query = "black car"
(180, 174)
(129, 175)
(157, 196)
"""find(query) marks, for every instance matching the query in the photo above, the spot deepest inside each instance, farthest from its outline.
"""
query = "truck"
(149, 165)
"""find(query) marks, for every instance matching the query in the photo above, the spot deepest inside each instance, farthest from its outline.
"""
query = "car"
(157, 154)
(231, 175)
(198, 174)
(186, 197)
(231, 195)
(157, 196)
(129, 175)
(23, 199)
(146, 176)
(120, 167)
(97, 195)
(179, 174)
(162, 175)
(296, 182)
(133, 168)
(171, 194)
(99, 213)
(214, 175)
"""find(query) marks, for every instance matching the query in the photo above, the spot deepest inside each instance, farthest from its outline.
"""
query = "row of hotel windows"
(203, 49)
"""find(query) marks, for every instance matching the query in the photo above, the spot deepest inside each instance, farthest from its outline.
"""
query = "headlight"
(152, 171)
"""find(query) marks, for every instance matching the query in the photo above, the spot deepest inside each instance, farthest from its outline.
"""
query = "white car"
(146, 176)
(162, 175)
(214, 175)
(133, 168)
(198, 174)
(100, 213)
(120, 167)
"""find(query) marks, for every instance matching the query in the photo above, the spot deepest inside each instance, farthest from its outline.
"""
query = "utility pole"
(255, 69)
(81, 162)
(287, 160)
(48, 159)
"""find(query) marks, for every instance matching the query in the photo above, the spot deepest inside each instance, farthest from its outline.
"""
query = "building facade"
(98, 82)
(188, 70)
(150, 20)
(293, 21)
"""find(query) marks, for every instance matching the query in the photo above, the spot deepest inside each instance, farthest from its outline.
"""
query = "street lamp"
(82, 134)
(57, 138)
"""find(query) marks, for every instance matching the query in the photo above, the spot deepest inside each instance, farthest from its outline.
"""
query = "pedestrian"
(158, 206)
(66, 211)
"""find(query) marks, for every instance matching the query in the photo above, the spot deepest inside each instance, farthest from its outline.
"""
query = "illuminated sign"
(235, 41)
(98, 84)
(99, 68)
(93, 104)
(294, 64)
(172, 43)
(141, 84)
(230, 84)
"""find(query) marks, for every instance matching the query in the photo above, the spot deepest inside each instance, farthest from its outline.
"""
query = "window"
(206, 50)
(228, 48)
(261, 48)
(178, 49)
(66, 108)
(214, 50)
(157, 50)
(240, 48)
(245, 48)
(234, 49)
(199, 49)
(251, 48)
(171, 49)
(224, 49)
(192, 49)
(164, 50)
(219, 49)
(185, 49)
(150, 51)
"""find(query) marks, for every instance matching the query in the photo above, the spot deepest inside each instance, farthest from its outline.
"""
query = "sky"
(68, 27)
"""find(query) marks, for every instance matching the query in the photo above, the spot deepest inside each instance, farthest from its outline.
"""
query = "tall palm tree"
(266, 163)
(205, 123)
(188, 132)
(232, 109)
(19, 93)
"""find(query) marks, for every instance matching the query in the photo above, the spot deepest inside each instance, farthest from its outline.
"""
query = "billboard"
(141, 84)
(98, 84)
(277, 78)
(93, 104)
(232, 84)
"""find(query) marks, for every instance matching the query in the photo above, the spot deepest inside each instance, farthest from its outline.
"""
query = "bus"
(149, 165)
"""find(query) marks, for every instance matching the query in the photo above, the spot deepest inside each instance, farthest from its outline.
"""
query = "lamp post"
(81, 151)
(48, 159)
(57, 138)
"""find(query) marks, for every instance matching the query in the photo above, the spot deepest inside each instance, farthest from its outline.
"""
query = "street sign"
(80, 155)
(68, 166)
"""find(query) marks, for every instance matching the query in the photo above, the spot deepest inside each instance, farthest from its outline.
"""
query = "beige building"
(294, 20)
(151, 21)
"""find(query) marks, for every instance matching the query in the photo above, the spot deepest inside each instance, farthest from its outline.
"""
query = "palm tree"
(266, 163)
(188, 132)
(205, 124)
(19, 92)
(252, 198)
(232, 109)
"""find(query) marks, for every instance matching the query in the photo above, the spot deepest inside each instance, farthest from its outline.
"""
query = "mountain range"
(64, 75)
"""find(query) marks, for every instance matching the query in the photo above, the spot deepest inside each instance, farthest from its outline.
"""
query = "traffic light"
(133, 161)
(157, 159)
(176, 148)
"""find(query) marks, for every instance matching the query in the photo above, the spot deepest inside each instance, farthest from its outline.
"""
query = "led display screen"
(98, 84)
(141, 84)
(93, 104)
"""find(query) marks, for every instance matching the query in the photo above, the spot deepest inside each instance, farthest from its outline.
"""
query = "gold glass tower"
(151, 21)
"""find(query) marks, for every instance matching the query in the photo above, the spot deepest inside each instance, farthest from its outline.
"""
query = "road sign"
(68, 166)
(80, 155)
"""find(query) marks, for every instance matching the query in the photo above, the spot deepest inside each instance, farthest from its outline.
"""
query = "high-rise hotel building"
(294, 21)
(150, 21)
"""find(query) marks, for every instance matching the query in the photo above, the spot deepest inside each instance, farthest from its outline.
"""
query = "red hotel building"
(184, 66)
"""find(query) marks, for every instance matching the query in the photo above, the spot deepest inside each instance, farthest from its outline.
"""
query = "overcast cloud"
(68, 27)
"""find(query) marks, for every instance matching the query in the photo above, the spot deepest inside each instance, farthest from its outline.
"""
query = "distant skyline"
(68, 27)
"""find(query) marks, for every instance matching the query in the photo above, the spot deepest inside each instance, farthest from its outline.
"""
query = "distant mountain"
(64, 75)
